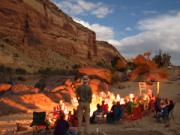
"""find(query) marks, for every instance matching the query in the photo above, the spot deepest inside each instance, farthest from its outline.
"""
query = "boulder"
(21, 89)
(5, 87)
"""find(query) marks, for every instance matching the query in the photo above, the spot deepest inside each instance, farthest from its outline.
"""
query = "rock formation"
(35, 34)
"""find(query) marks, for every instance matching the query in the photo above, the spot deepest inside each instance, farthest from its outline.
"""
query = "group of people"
(132, 109)
(101, 114)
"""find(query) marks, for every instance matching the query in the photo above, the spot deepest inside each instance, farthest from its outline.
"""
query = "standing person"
(84, 97)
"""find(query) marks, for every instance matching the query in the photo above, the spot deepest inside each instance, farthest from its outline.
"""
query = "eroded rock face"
(107, 51)
(36, 34)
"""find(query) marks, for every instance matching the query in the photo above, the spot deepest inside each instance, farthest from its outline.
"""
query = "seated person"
(62, 125)
(157, 106)
(129, 107)
(111, 115)
(96, 114)
(164, 110)
(170, 106)
(118, 112)
(115, 114)
(73, 119)
(104, 107)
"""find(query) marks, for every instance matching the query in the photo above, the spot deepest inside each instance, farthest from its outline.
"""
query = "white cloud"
(102, 32)
(101, 12)
(87, 6)
(161, 23)
(128, 29)
(161, 32)
(82, 7)
(69, 7)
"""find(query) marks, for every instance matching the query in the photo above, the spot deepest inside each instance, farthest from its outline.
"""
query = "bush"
(44, 71)
(21, 78)
(20, 71)
(4, 69)
(76, 66)
(104, 64)
(51, 71)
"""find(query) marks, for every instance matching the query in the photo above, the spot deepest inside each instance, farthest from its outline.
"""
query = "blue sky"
(132, 26)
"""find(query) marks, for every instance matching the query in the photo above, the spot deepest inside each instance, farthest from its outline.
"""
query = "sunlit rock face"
(36, 34)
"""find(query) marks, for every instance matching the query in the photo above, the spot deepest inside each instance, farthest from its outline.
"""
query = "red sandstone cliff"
(36, 34)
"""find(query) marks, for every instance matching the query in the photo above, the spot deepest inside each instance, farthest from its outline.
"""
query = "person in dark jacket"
(62, 126)
(98, 112)
(170, 109)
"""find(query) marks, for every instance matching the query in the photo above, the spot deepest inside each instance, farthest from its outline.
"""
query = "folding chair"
(142, 88)
(39, 122)
(100, 117)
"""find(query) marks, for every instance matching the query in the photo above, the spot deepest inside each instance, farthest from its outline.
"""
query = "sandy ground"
(145, 126)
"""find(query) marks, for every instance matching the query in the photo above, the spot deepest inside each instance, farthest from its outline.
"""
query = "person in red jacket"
(104, 107)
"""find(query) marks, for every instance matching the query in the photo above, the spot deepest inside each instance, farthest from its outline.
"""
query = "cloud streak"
(82, 7)
(149, 12)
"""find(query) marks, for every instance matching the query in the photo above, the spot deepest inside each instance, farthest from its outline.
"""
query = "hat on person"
(85, 78)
